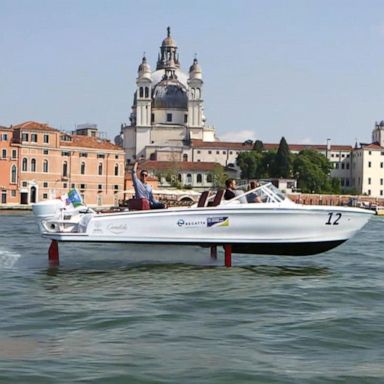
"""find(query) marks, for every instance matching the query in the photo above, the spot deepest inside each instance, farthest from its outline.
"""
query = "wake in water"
(8, 259)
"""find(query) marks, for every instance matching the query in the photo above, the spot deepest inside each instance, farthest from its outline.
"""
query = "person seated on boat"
(253, 197)
(143, 190)
(231, 191)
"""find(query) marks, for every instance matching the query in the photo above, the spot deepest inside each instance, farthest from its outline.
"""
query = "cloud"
(238, 136)
(305, 140)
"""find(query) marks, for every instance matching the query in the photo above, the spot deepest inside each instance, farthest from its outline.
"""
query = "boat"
(274, 225)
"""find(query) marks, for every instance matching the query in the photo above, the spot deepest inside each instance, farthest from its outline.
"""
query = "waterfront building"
(9, 170)
(50, 162)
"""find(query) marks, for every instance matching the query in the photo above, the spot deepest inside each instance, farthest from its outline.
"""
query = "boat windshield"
(266, 193)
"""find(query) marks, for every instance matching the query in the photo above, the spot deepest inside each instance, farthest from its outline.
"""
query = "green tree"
(281, 167)
(218, 177)
(258, 146)
(312, 171)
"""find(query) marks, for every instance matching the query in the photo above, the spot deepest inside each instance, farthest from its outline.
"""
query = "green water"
(115, 314)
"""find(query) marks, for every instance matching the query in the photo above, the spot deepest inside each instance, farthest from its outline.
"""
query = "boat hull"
(249, 229)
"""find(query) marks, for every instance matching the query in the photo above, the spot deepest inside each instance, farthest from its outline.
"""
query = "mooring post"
(214, 252)
(53, 254)
(228, 255)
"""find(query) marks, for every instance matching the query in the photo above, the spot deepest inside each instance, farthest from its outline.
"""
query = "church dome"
(195, 70)
(168, 41)
(170, 95)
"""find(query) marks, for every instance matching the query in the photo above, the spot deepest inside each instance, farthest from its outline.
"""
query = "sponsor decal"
(218, 221)
(117, 228)
(191, 223)
(98, 228)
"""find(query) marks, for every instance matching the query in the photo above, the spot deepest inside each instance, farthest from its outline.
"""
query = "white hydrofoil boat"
(274, 225)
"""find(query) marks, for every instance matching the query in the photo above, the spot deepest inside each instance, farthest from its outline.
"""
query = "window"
(45, 195)
(217, 152)
(369, 164)
(169, 117)
(381, 181)
(65, 169)
(199, 178)
(100, 169)
(14, 153)
(65, 185)
(82, 168)
(24, 166)
(189, 178)
(198, 152)
(24, 183)
(116, 157)
(46, 139)
(369, 180)
(209, 152)
(3, 197)
(141, 92)
(45, 152)
(13, 174)
(381, 165)
(4, 153)
(100, 187)
(224, 152)
(116, 169)
(152, 117)
(45, 184)
(100, 156)
(13, 193)
(45, 166)
(369, 192)
(209, 178)
(83, 186)
(33, 165)
(34, 138)
(369, 152)
(4, 137)
(24, 137)
(83, 154)
(65, 153)
(185, 157)
(185, 118)
(347, 165)
(146, 92)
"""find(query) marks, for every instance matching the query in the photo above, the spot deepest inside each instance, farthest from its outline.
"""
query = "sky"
(303, 69)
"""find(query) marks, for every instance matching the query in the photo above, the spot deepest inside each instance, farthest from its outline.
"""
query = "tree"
(258, 146)
(218, 177)
(312, 171)
(281, 167)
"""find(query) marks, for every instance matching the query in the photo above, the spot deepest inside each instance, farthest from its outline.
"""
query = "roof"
(247, 147)
(35, 126)
(372, 146)
(181, 166)
(89, 142)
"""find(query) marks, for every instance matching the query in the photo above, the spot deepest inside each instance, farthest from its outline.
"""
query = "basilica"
(167, 111)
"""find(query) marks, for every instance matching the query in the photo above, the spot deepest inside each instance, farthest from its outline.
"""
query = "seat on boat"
(217, 200)
(138, 204)
(203, 199)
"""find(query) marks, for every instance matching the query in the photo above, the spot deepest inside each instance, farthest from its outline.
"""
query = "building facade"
(43, 163)
(167, 111)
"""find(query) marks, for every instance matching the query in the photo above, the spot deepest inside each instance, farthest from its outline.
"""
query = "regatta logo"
(191, 223)
(117, 228)
(220, 221)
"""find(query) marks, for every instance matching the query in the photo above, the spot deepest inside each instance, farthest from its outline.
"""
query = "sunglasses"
(144, 174)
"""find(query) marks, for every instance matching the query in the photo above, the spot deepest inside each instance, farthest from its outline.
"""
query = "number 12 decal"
(332, 220)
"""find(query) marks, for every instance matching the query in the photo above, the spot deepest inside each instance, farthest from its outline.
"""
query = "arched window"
(141, 92)
(179, 177)
(65, 169)
(24, 166)
(13, 174)
(33, 165)
(146, 92)
(82, 168)
(100, 169)
(185, 157)
(45, 166)
(197, 93)
(209, 178)
(199, 178)
(189, 178)
(116, 169)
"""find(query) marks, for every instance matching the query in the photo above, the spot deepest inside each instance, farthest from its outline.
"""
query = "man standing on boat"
(143, 190)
